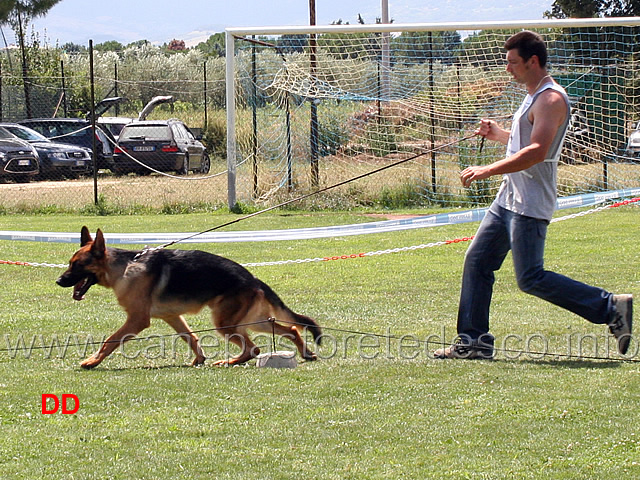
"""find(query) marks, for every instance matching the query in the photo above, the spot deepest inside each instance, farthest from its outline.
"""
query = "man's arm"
(547, 114)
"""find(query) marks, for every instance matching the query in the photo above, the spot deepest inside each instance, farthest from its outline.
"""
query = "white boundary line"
(367, 254)
(434, 220)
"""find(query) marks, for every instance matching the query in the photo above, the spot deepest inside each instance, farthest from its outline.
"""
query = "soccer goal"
(309, 107)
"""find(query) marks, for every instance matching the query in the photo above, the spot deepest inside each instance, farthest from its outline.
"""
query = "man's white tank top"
(532, 192)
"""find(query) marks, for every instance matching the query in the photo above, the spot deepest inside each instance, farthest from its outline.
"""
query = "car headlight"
(60, 155)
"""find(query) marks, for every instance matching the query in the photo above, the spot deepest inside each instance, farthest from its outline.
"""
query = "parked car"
(56, 159)
(162, 145)
(578, 138)
(74, 131)
(18, 159)
(633, 145)
(114, 125)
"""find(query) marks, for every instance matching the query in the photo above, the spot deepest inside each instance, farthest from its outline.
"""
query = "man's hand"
(490, 130)
(470, 174)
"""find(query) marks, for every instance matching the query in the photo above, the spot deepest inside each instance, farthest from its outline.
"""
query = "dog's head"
(85, 265)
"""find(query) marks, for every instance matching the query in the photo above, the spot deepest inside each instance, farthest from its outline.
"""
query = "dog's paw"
(198, 361)
(232, 362)
(310, 357)
(90, 363)
(221, 363)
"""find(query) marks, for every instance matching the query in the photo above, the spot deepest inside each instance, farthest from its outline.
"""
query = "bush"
(214, 137)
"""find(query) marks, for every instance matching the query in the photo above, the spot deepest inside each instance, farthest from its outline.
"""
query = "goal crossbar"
(442, 26)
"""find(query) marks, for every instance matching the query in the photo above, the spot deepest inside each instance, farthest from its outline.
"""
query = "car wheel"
(205, 164)
(185, 166)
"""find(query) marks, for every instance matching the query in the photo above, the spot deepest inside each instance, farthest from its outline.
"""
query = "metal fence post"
(231, 119)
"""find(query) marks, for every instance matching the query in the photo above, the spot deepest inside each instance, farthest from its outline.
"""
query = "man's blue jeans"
(500, 231)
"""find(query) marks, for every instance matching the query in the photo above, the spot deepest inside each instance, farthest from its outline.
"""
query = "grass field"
(373, 407)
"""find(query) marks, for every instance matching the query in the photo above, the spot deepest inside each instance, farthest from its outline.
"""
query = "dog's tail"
(298, 319)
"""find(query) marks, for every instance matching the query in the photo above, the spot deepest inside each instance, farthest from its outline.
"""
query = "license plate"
(24, 163)
(144, 148)
(80, 163)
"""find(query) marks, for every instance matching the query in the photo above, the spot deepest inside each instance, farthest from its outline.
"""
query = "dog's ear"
(85, 236)
(98, 249)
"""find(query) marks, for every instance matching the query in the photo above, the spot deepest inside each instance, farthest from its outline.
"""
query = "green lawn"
(375, 405)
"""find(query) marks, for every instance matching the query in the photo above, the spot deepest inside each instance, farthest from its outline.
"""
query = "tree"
(596, 38)
(18, 13)
(71, 47)
(593, 8)
(176, 46)
(109, 46)
(214, 46)
(352, 45)
(138, 44)
(12, 10)
(293, 43)
(419, 47)
(5, 10)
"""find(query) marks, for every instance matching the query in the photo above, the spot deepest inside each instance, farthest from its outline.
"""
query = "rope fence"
(364, 254)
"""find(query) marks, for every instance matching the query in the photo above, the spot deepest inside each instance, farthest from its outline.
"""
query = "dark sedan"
(74, 131)
(18, 159)
(56, 159)
(160, 145)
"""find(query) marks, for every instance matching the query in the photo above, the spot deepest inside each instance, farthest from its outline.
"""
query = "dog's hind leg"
(133, 326)
(229, 317)
(249, 350)
(290, 332)
(180, 326)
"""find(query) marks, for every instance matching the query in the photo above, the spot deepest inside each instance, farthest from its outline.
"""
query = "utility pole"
(385, 63)
(26, 82)
(313, 127)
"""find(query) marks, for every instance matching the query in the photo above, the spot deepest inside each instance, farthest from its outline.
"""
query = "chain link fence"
(171, 157)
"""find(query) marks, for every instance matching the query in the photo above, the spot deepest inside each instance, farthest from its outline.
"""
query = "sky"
(160, 21)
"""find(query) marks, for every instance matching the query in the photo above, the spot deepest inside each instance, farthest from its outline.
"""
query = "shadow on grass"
(571, 363)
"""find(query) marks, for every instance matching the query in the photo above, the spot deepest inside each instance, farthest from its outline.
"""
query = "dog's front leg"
(180, 325)
(133, 326)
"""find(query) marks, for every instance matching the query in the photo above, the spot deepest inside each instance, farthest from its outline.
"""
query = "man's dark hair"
(528, 44)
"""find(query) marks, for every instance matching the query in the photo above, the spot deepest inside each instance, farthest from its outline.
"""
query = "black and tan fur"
(169, 283)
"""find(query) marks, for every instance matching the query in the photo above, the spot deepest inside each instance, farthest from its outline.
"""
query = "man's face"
(517, 67)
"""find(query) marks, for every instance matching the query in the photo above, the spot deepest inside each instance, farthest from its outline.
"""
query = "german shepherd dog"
(169, 283)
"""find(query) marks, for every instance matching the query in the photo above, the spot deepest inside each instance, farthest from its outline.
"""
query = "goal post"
(385, 92)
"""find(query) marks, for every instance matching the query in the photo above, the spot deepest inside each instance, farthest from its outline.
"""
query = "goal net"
(311, 107)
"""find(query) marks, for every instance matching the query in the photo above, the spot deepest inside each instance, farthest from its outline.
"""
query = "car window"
(59, 129)
(24, 133)
(145, 132)
(70, 129)
(49, 130)
(5, 134)
(40, 129)
(188, 133)
(114, 128)
(184, 133)
(177, 131)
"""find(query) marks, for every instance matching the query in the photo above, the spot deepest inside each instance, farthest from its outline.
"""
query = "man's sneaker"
(620, 326)
(466, 351)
